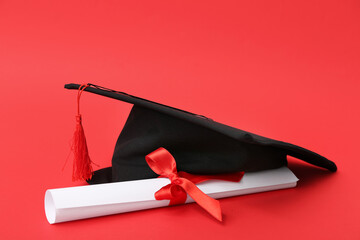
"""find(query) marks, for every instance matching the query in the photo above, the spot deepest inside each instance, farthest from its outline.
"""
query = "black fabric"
(199, 145)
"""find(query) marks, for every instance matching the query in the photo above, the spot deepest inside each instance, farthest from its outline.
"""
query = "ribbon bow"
(182, 183)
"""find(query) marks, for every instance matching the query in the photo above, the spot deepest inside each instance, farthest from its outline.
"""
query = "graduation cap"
(199, 144)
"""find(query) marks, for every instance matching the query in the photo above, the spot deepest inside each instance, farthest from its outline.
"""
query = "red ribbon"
(182, 183)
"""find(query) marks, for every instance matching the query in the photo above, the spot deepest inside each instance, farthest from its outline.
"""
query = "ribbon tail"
(211, 205)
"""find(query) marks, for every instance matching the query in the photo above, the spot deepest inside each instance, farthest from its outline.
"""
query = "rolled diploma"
(73, 203)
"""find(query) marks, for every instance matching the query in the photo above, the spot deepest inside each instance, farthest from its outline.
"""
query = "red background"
(288, 70)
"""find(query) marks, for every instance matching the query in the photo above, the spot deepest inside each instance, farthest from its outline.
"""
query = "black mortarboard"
(199, 144)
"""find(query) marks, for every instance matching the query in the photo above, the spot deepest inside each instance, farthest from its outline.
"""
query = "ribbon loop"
(182, 183)
(161, 162)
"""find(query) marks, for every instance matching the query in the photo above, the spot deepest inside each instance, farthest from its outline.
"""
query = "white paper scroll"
(73, 203)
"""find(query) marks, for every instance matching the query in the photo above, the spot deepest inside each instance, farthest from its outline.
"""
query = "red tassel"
(82, 169)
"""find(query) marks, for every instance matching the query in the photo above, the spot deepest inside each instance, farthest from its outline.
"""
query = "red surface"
(287, 70)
